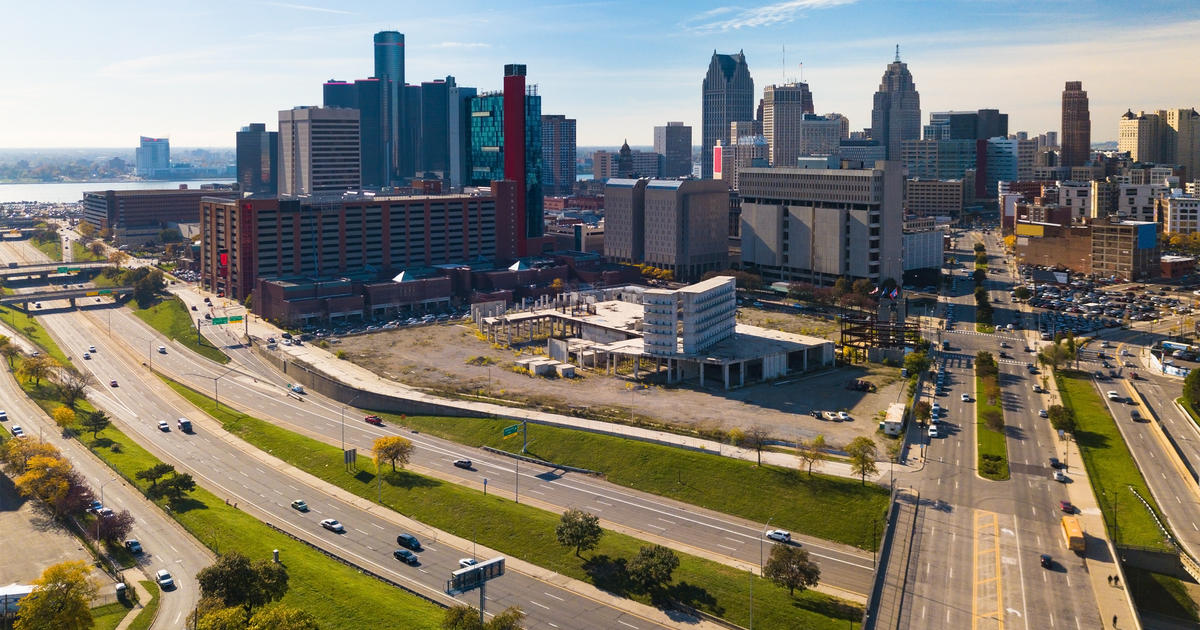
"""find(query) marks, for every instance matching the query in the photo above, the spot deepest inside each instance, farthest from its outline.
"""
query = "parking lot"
(32, 540)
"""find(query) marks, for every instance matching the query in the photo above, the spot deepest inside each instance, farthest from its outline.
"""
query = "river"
(72, 192)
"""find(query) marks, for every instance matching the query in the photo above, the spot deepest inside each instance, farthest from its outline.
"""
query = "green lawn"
(33, 331)
(984, 328)
(172, 318)
(52, 248)
(1162, 594)
(108, 616)
(528, 533)
(149, 609)
(832, 508)
(1183, 402)
(81, 253)
(1110, 465)
(992, 444)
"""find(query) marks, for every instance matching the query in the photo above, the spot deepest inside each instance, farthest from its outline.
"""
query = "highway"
(976, 550)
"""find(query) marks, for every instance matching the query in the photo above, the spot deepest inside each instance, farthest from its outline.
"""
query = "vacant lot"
(32, 540)
(452, 360)
(789, 322)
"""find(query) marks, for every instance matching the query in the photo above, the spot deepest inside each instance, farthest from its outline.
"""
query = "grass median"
(149, 609)
(528, 533)
(52, 248)
(171, 317)
(109, 616)
(992, 447)
(81, 253)
(32, 329)
(1110, 465)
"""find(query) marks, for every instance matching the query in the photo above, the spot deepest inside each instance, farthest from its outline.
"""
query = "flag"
(895, 293)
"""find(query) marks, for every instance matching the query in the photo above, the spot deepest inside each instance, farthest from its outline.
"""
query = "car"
(463, 463)
(1059, 476)
(1112, 395)
(1037, 389)
(933, 430)
(194, 307)
(286, 335)
(1003, 344)
(91, 348)
(408, 541)
(17, 431)
(299, 505)
(1066, 506)
(104, 512)
(112, 383)
(406, 556)
(1135, 415)
(164, 579)
(780, 535)
(843, 416)
(86, 356)
(3, 415)
(1046, 561)
(133, 545)
(333, 525)
(94, 506)
(373, 419)
(270, 340)
(1042, 413)
(467, 562)
(163, 426)
(966, 398)
(1055, 463)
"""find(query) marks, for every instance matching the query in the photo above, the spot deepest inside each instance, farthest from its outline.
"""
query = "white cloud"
(714, 20)
(305, 7)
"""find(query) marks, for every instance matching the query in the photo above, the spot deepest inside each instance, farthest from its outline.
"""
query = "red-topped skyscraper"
(1076, 126)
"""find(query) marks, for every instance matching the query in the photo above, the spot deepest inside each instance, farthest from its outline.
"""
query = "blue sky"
(82, 73)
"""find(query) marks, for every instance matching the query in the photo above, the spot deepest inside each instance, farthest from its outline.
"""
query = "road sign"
(467, 578)
(233, 319)
(351, 456)
(105, 291)
(68, 269)
(511, 430)
(216, 321)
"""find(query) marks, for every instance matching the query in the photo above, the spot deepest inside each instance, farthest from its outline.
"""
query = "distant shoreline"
(38, 182)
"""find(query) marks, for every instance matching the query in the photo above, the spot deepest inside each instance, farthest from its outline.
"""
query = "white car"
(164, 579)
(1059, 476)
(1042, 413)
(843, 416)
(966, 398)
(333, 525)
(163, 426)
(1112, 395)
(933, 430)
(467, 562)
(17, 431)
(780, 535)
(91, 348)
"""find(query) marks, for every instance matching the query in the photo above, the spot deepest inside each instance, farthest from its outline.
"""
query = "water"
(69, 193)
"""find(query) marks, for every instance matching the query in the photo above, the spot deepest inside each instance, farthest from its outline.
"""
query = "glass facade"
(487, 139)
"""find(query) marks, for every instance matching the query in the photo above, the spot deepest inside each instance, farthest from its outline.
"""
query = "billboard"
(467, 578)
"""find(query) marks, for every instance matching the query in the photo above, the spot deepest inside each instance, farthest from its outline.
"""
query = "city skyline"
(140, 75)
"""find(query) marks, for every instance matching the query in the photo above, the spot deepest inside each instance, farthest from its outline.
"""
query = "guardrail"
(541, 462)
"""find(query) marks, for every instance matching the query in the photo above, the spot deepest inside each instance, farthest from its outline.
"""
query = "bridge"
(64, 294)
(44, 270)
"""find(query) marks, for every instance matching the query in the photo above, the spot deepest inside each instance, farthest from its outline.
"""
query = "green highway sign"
(220, 320)
(233, 319)
(511, 430)
(68, 269)
(104, 292)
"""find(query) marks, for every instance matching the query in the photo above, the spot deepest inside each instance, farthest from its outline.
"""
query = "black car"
(1054, 463)
(406, 556)
(1046, 561)
(409, 541)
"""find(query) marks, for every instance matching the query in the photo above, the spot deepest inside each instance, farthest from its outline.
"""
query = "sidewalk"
(356, 376)
(133, 577)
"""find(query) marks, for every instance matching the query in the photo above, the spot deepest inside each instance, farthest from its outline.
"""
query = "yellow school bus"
(1073, 534)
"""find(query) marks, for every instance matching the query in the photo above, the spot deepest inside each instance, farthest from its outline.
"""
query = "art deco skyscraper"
(1076, 126)
(896, 114)
(728, 95)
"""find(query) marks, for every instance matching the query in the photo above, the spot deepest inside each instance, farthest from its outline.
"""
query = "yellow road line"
(987, 524)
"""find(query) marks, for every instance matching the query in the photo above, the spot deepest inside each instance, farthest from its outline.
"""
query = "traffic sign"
(467, 578)
(220, 320)
(105, 291)
(233, 319)
(511, 430)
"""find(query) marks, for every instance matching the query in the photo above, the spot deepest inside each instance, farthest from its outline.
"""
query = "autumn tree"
(8, 349)
(578, 529)
(16, 454)
(37, 368)
(117, 258)
(61, 598)
(45, 478)
(465, 617)
(115, 527)
(394, 449)
(63, 417)
(862, 457)
(79, 495)
(922, 410)
(791, 568)
(280, 616)
(812, 452)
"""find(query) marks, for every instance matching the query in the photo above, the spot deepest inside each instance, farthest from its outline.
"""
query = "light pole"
(98, 515)
(344, 418)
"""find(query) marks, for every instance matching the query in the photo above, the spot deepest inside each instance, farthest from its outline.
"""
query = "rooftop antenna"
(783, 63)
(897, 53)
(802, 72)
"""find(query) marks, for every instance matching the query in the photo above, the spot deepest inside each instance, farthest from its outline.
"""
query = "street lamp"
(98, 516)
(344, 418)
(215, 380)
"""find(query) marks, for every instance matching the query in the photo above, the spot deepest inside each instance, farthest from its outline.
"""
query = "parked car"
(1059, 476)
(133, 545)
(1054, 463)
(333, 525)
(17, 431)
(300, 505)
(3, 415)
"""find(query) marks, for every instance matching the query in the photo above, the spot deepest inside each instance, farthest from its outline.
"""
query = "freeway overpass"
(44, 270)
(63, 294)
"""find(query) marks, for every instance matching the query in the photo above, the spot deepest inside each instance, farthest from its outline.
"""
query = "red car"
(1066, 507)
(374, 420)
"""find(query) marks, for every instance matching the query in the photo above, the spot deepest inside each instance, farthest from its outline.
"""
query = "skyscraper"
(558, 154)
(458, 137)
(258, 159)
(728, 95)
(674, 142)
(319, 150)
(369, 97)
(1076, 126)
(1185, 127)
(435, 130)
(896, 115)
(389, 69)
(784, 106)
(151, 155)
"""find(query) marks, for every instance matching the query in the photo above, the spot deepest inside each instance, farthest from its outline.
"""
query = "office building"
(434, 149)
(1184, 126)
(923, 248)
(151, 156)
(389, 69)
(1002, 163)
(936, 197)
(745, 152)
(966, 125)
(1180, 212)
(258, 159)
(939, 159)
(1076, 126)
(244, 241)
(728, 95)
(138, 216)
(369, 98)
(1125, 250)
(861, 152)
(674, 142)
(896, 113)
(818, 225)
(783, 107)
(319, 150)
(458, 139)
(625, 220)
(606, 164)
(558, 155)
(683, 224)
(1077, 196)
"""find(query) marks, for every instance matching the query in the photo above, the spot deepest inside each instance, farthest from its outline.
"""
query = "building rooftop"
(1171, 258)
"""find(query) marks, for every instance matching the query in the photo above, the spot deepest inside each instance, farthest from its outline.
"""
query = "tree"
(72, 385)
(922, 410)
(279, 616)
(653, 566)
(557, 285)
(235, 580)
(980, 248)
(801, 291)
(61, 598)
(757, 437)
(46, 478)
(464, 617)
(233, 618)
(394, 449)
(1061, 418)
(97, 248)
(37, 368)
(812, 453)
(17, 453)
(862, 457)
(1191, 388)
(146, 288)
(79, 495)
(114, 528)
(1053, 355)
(862, 287)
(85, 229)
(578, 529)
(175, 487)
(95, 422)
(117, 258)
(1021, 293)
(841, 287)
(170, 235)
(736, 436)
(154, 473)
(916, 362)
(9, 350)
(63, 417)
(791, 568)
(993, 419)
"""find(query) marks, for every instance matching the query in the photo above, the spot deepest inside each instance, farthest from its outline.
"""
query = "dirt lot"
(32, 541)
(788, 322)
(451, 359)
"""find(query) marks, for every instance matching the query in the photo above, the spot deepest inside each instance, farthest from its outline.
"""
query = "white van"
(162, 349)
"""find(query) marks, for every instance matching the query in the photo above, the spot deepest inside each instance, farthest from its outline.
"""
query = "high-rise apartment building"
(818, 225)
(319, 150)
(728, 95)
(558, 155)
(783, 107)
(1185, 127)
(389, 69)
(152, 154)
(746, 151)
(1076, 126)
(674, 142)
(896, 114)
(258, 159)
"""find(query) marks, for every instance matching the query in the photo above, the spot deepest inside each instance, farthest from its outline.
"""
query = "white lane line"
(660, 528)
(627, 624)
(594, 509)
(665, 520)
(736, 540)
(726, 547)
(536, 492)
(604, 503)
(553, 596)
(378, 525)
(361, 532)
(539, 604)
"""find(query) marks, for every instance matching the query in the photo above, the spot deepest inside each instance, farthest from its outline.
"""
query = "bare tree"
(72, 384)
(811, 452)
(756, 438)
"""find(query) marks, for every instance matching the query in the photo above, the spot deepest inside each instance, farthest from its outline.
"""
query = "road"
(976, 551)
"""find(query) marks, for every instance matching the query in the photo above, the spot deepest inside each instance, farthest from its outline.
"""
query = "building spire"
(897, 53)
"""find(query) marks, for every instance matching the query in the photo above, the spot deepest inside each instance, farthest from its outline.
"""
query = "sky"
(79, 73)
